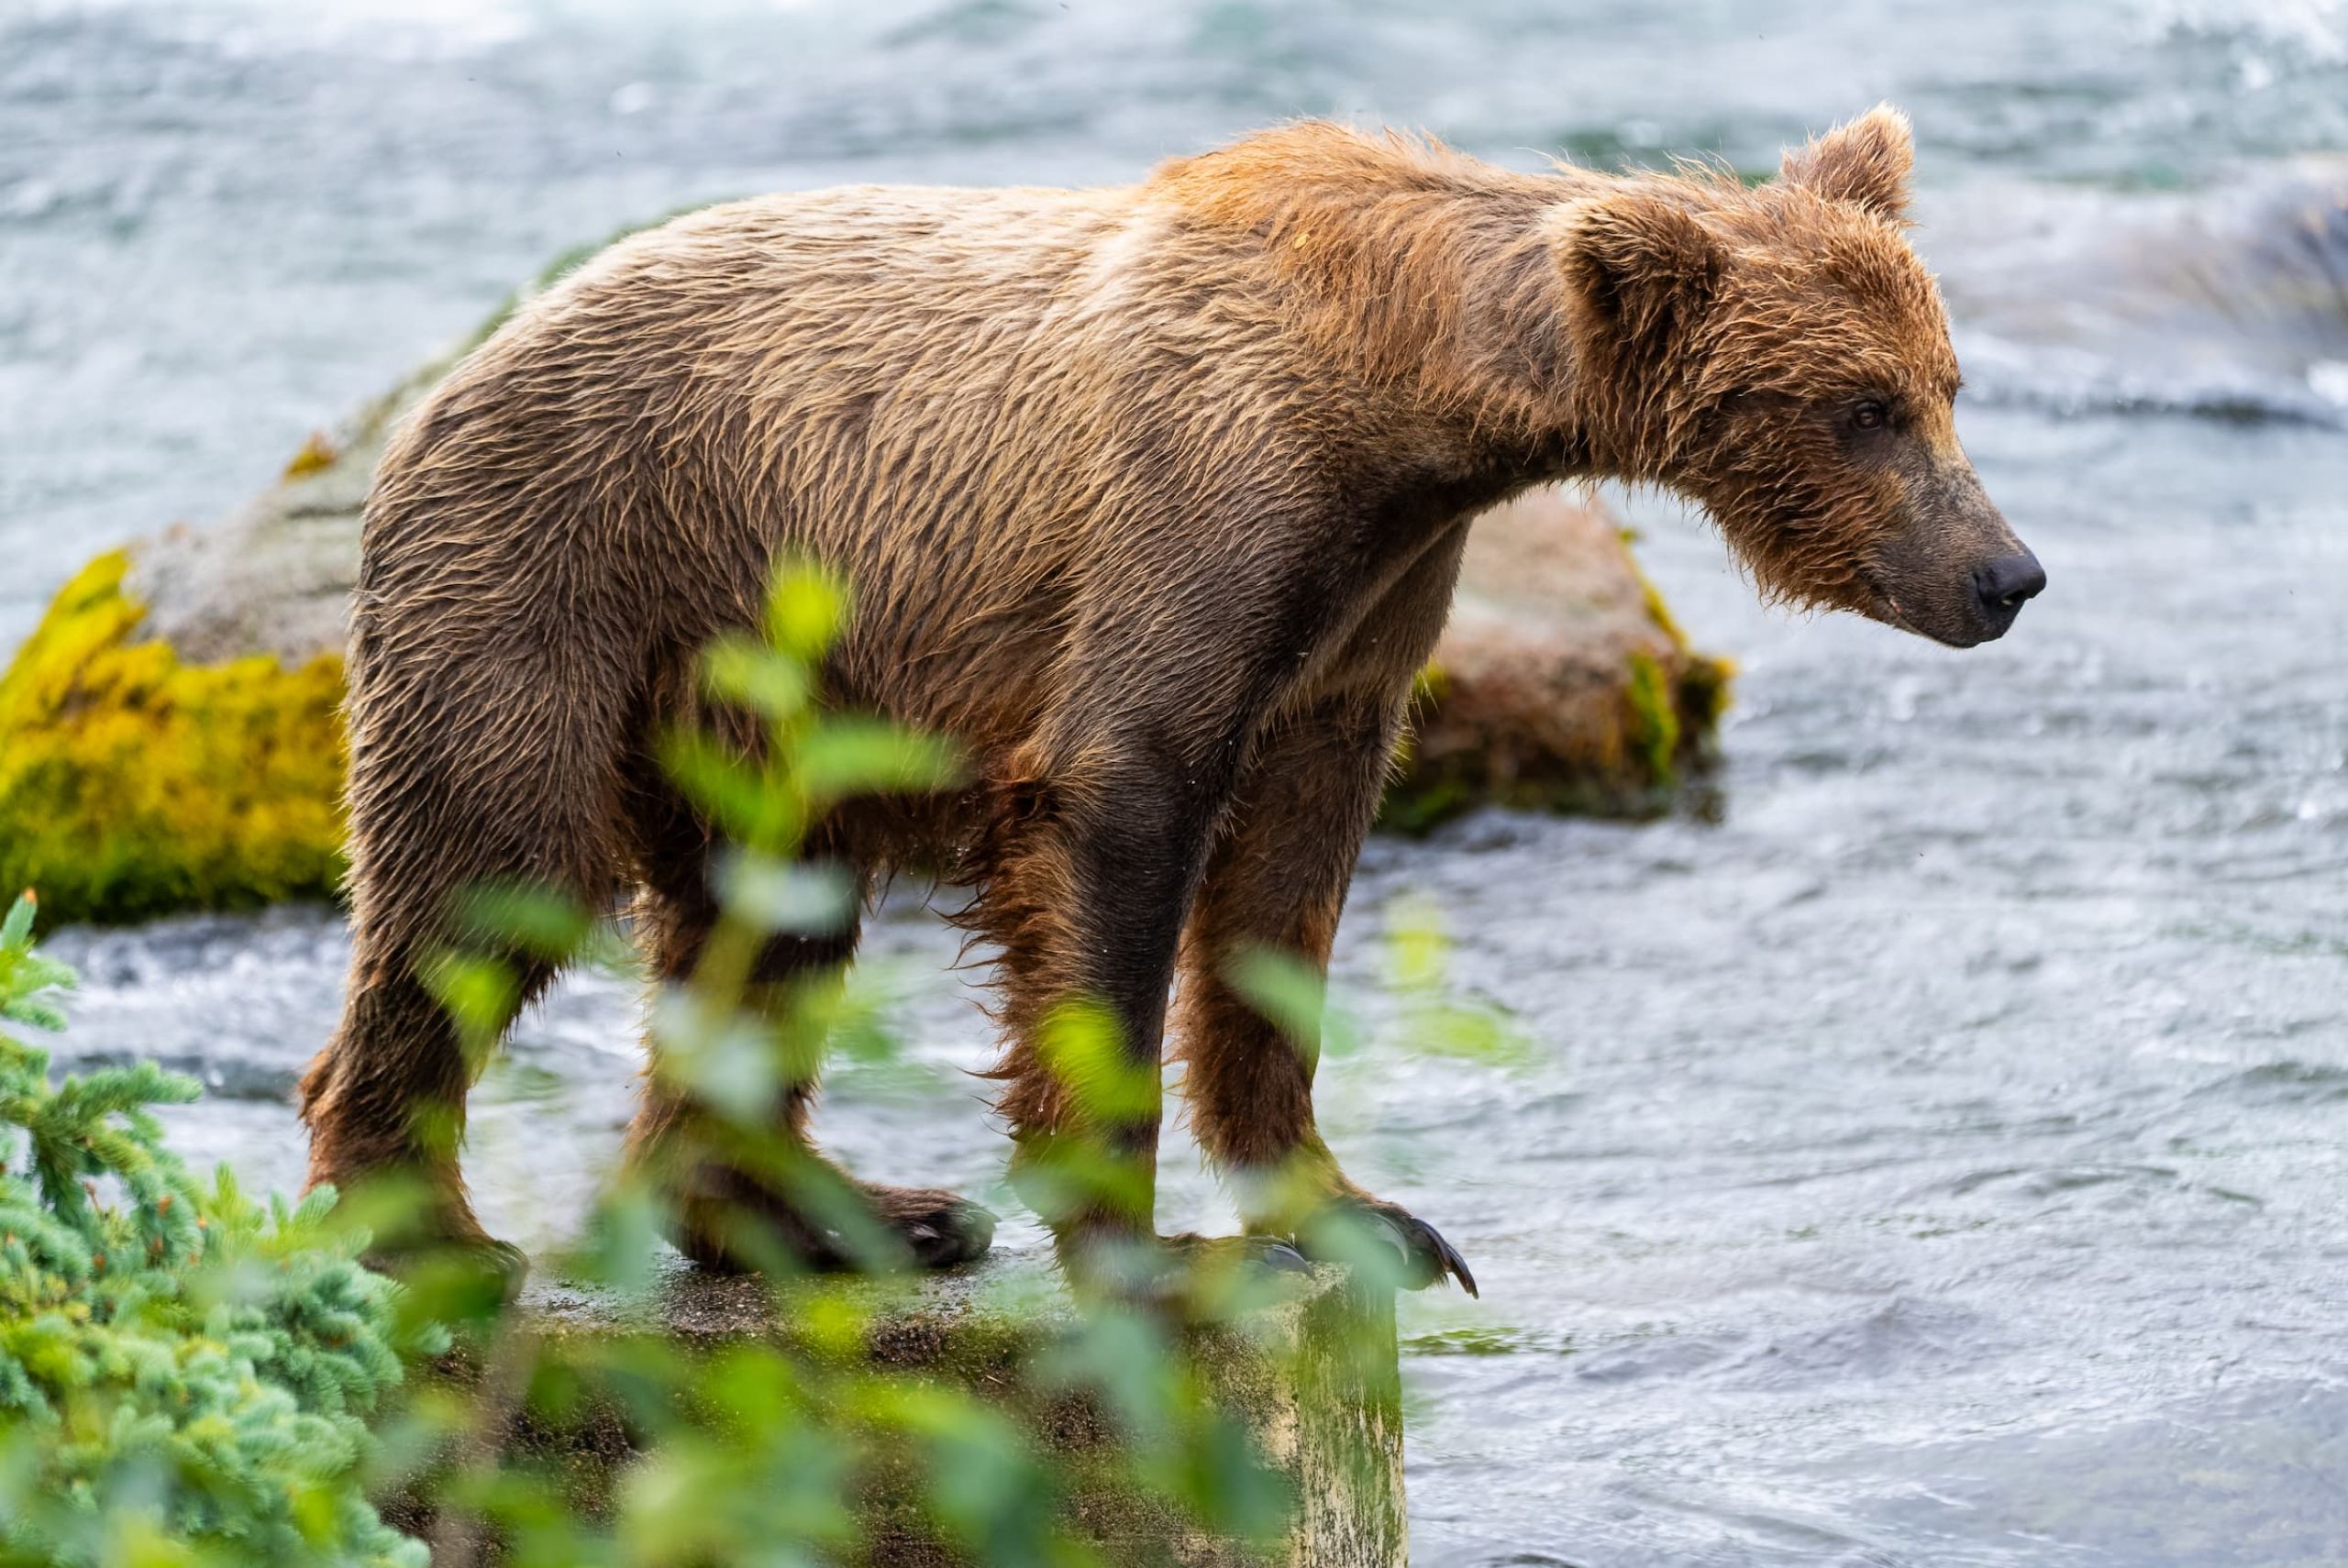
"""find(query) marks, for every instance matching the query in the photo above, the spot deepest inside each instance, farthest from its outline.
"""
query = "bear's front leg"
(1277, 881)
(1085, 877)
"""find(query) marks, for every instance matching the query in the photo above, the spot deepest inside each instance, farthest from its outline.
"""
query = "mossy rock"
(170, 740)
(171, 736)
(1562, 683)
(135, 784)
(1310, 1372)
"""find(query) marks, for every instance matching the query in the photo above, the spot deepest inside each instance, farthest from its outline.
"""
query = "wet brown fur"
(1152, 497)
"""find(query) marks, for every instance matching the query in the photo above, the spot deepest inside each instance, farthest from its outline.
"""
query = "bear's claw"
(1276, 1256)
(939, 1228)
(1447, 1258)
(1425, 1258)
(944, 1233)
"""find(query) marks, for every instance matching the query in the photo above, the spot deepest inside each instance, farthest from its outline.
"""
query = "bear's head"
(1780, 354)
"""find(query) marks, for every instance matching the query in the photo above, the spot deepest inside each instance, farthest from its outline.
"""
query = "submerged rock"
(170, 739)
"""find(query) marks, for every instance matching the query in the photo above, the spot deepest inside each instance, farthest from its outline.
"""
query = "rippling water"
(1938, 1159)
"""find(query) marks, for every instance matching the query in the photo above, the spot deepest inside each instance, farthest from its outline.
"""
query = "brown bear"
(1152, 498)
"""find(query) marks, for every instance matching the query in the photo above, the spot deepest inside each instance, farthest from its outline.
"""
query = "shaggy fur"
(1152, 497)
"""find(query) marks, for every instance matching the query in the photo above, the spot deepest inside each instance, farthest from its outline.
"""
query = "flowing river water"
(1934, 1153)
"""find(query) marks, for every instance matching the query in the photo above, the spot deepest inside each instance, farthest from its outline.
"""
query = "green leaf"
(732, 791)
(805, 610)
(1294, 996)
(481, 994)
(1083, 1046)
(781, 896)
(538, 921)
(776, 684)
(1418, 963)
(17, 929)
(843, 758)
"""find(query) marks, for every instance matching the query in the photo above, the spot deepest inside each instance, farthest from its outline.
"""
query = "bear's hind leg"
(740, 1201)
(384, 1101)
(1084, 883)
(477, 765)
(385, 1105)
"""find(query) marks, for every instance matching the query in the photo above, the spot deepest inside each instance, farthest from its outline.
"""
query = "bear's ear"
(1642, 269)
(1864, 161)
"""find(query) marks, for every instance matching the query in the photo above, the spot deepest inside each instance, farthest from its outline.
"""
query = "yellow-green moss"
(1657, 611)
(1671, 704)
(133, 785)
(1652, 726)
(316, 456)
(1704, 683)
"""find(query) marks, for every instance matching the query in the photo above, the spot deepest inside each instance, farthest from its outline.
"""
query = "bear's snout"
(2001, 588)
(1950, 569)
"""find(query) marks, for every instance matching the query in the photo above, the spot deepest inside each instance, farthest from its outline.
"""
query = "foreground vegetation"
(184, 1373)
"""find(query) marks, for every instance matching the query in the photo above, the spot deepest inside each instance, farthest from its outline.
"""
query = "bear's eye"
(1870, 415)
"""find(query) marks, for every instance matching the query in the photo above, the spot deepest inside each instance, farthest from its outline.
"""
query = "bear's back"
(979, 406)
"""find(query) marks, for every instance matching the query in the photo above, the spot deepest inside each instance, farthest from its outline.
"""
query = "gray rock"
(1311, 1373)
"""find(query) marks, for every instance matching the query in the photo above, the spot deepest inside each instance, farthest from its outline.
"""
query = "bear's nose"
(2003, 586)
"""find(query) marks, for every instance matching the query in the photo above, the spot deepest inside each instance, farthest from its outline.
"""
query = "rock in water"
(170, 739)
(170, 736)
(1561, 683)
(1309, 1374)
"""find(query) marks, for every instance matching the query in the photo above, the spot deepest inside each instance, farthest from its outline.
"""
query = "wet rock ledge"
(170, 739)
(1311, 1375)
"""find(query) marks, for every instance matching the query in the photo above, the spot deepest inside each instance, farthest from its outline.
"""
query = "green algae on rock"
(171, 736)
(135, 784)
(1561, 684)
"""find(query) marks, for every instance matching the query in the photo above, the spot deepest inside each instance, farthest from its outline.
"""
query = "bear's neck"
(1430, 275)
